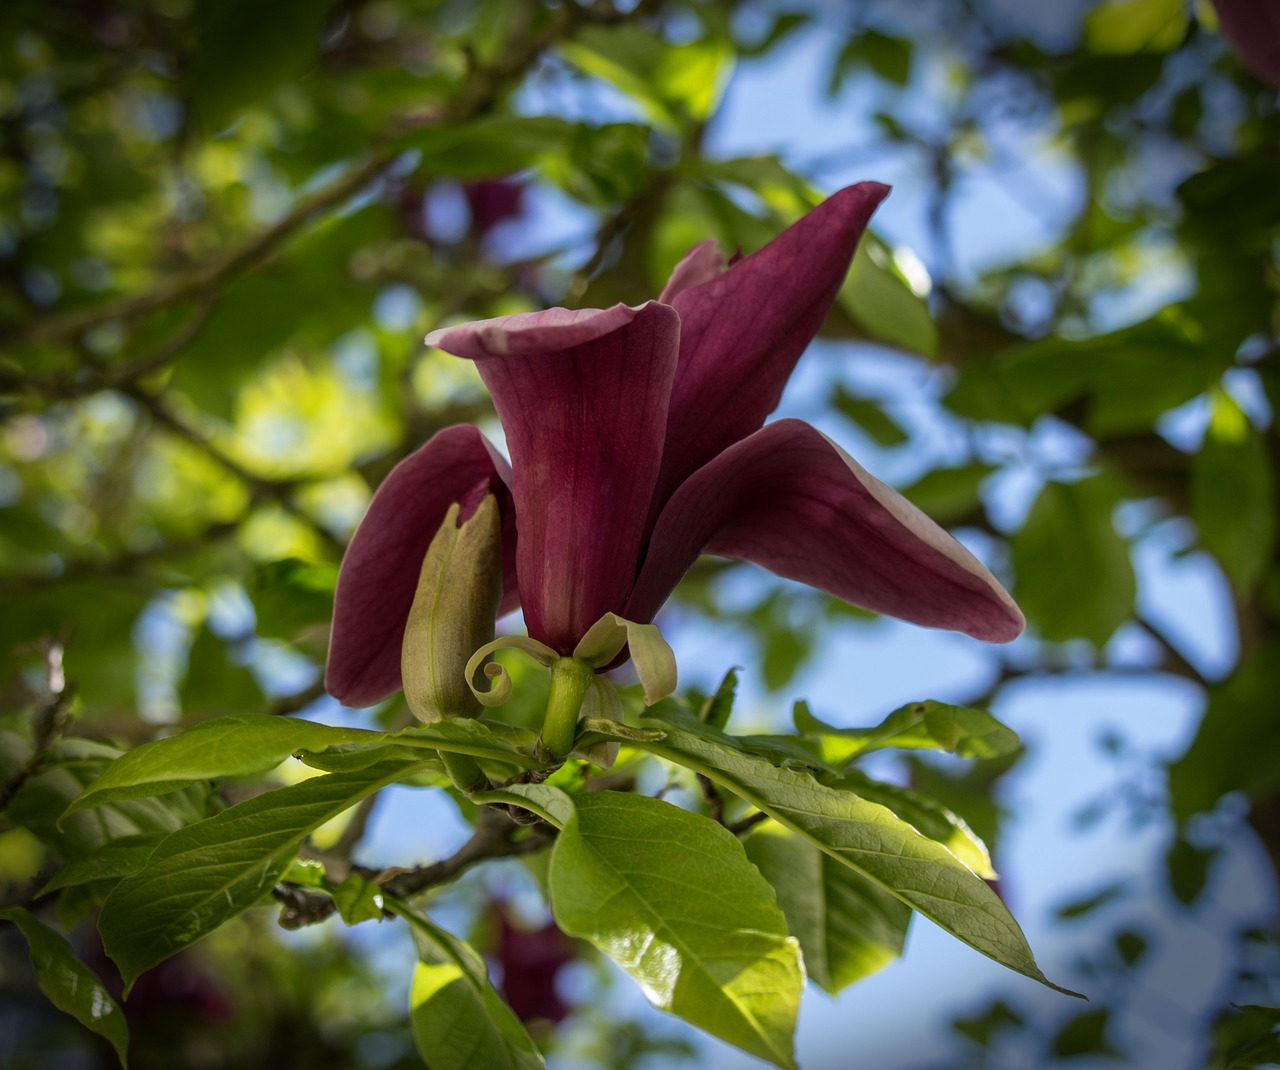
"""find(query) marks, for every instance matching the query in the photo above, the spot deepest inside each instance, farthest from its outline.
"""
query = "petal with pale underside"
(702, 263)
(584, 409)
(742, 331)
(380, 569)
(789, 499)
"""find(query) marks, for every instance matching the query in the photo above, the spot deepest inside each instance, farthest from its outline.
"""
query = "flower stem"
(569, 681)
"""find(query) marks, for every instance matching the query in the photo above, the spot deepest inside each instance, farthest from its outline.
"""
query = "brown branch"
(50, 722)
(494, 837)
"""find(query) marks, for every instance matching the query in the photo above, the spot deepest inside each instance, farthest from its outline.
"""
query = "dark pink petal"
(702, 263)
(1252, 29)
(742, 332)
(791, 500)
(582, 397)
(379, 571)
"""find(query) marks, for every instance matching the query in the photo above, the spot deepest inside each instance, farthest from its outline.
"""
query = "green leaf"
(233, 68)
(1085, 1034)
(358, 899)
(204, 875)
(1122, 27)
(865, 836)
(242, 745)
(111, 861)
(249, 744)
(549, 803)
(70, 985)
(673, 84)
(1236, 747)
(926, 725)
(1233, 490)
(215, 683)
(459, 1022)
(950, 495)
(488, 147)
(717, 708)
(847, 926)
(1074, 575)
(870, 416)
(882, 302)
(671, 896)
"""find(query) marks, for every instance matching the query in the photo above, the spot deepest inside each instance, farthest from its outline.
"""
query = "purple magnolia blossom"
(637, 442)
(1252, 29)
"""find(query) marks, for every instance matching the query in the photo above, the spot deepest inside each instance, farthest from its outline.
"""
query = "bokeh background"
(224, 229)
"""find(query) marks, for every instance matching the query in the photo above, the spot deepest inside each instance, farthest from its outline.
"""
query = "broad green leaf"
(923, 813)
(70, 985)
(42, 801)
(215, 683)
(249, 744)
(926, 725)
(950, 495)
(1120, 27)
(1236, 747)
(1074, 575)
(1084, 1034)
(242, 745)
(489, 147)
(1233, 489)
(847, 926)
(112, 860)
(879, 298)
(204, 875)
(549, 803)
(866, 836)
(459, 1022)
(672, 898)
(672, 84)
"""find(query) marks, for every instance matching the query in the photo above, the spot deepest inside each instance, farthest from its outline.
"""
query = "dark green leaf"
(70, 985)
(205, 874)
(1074, 575)
(847, 926)
(716, 710)
(216, 683)
(870, 416)
(927, 725)
(1085, 1034)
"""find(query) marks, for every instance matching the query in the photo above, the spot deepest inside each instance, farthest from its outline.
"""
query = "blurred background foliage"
(225, 227)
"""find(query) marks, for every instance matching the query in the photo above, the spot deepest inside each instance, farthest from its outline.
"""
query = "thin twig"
(50, 722)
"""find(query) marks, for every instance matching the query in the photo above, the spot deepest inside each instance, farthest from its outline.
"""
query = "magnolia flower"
(637, 443)
(1252, 29)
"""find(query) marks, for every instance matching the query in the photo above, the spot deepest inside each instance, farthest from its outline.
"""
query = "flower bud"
(453, 613)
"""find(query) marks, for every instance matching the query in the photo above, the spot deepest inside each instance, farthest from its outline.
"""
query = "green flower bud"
(453, 613)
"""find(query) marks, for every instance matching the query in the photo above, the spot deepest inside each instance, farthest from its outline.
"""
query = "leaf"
(488, 147)
(112, 860)
(1233, 490)
(865, 836)
(1121, 27)
(459, 1021)
(249, 744)
(242, 745)
(549, 803)
(869, 415)
(672, 898)
(70, 985)
(215, 683)
(716, 709)
(926, 725)
(41, 803)
(1236, 746)
(673, 84)
(950, 495)
(1085, 1034)
(204, 875)
(878, 297)
(233, 68)
(358, 899)
(1074, 575)
(848, 927)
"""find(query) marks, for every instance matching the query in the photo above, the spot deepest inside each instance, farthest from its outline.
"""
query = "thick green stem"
(464, 772)
(569, 681)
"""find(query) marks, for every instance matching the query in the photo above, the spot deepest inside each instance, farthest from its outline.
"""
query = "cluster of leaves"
(795, 851)
(218, 254)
